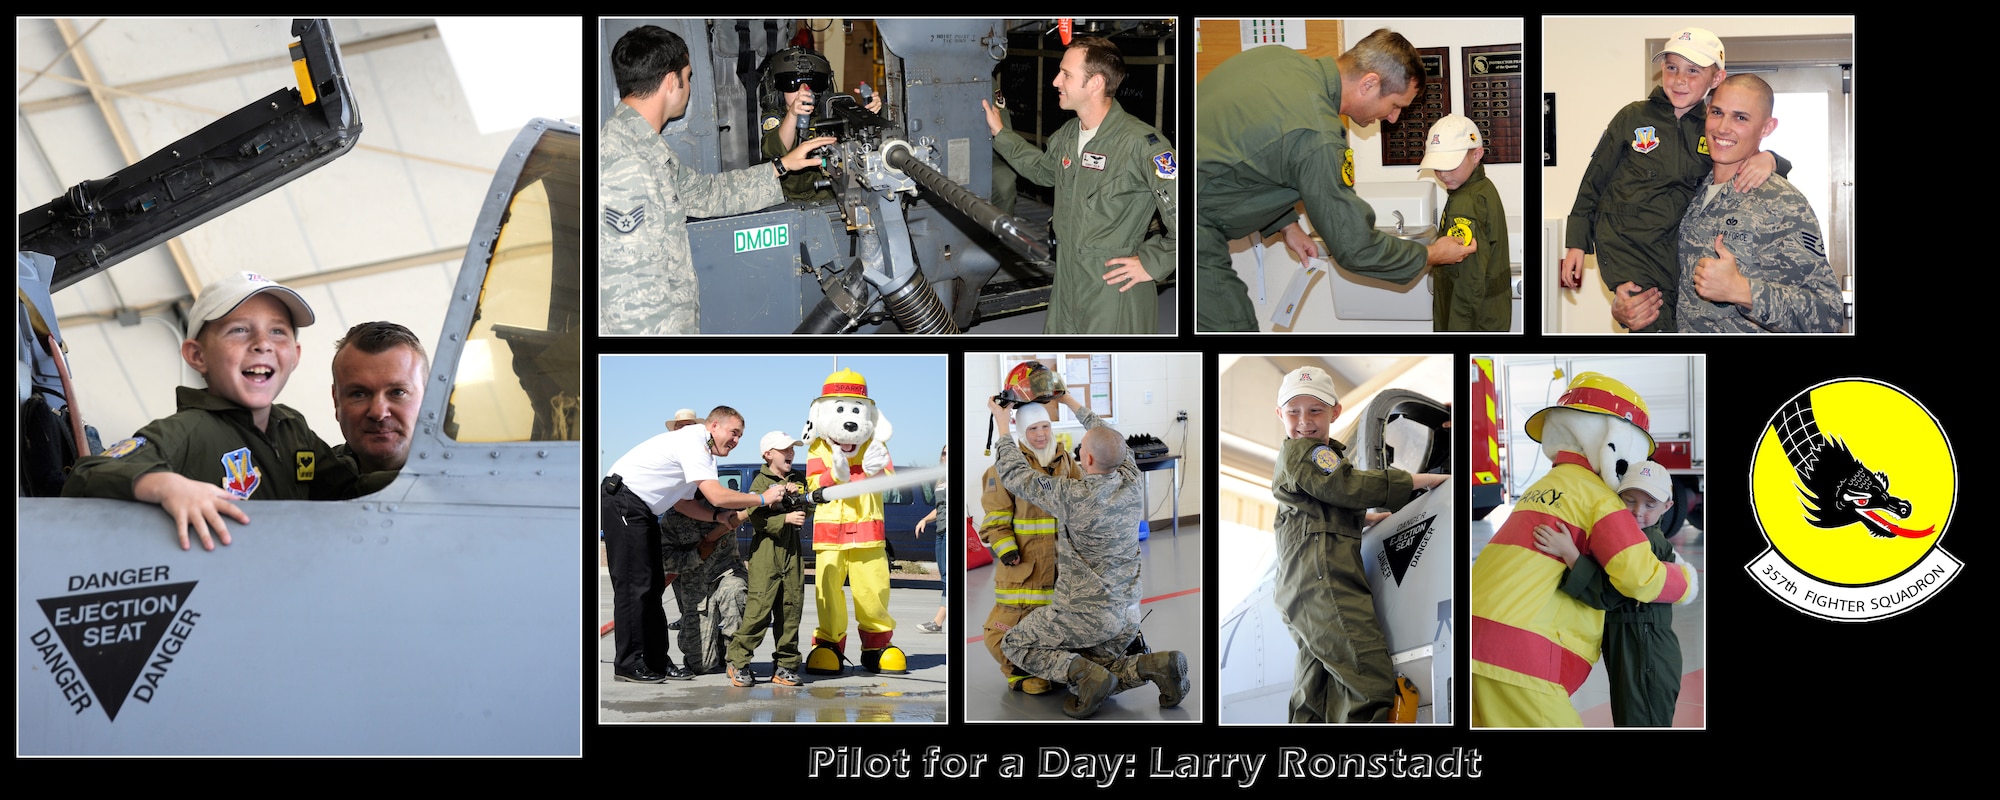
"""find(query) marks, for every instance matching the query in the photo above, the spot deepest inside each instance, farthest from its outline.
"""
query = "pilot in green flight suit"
(1268, 135)
(1110, 181)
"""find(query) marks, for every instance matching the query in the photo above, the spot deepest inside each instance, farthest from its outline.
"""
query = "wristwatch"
(782, 172)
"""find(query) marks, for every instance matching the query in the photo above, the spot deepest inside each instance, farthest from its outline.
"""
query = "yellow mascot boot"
(887, 660)
(825, 657)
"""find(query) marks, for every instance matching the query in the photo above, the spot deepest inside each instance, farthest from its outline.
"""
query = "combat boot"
(1169, 671)
(1091, 685)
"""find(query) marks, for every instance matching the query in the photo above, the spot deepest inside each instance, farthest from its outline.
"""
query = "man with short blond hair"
(378, 386)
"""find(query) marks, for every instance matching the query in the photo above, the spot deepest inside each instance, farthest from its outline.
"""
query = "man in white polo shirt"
(662, 473)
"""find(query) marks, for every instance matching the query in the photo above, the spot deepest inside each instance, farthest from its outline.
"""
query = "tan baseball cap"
(1308, 380)
(1694, 44)
(1648, 477)
(226, 293)
(777, 440)
(1451, 136)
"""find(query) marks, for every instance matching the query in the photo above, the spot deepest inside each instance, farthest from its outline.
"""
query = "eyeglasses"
(791, 81)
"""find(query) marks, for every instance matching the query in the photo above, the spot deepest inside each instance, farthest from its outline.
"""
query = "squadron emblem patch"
(1701, 145)
(1461, 230)
(1843, 547)
(1643, 140)
(625, 221)
(125, 447)
(771, 122)
(1165, 166)
(1346, 167)
(1324, 458)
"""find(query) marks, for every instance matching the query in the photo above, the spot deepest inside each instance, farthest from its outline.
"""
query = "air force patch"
(1324, 458)
(771, 122)
(626, 221)
(1165, 166)
(1346, 168)
(125, 447)
(240, 477)
(1644, 140)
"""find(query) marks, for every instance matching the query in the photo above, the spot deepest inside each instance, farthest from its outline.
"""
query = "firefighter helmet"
(1599, 394)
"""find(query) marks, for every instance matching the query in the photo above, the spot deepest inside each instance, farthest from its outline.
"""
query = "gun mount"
(910, 242)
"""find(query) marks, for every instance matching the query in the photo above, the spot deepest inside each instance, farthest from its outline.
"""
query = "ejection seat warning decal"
(100, 645)
(1402, 550)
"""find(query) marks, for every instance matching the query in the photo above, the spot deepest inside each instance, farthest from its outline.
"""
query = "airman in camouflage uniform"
(1751, 261)
(1772, 232)
(1094, 617)
(711, 592)
(646, 194)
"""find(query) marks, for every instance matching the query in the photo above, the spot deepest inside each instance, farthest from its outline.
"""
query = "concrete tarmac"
(856, 695)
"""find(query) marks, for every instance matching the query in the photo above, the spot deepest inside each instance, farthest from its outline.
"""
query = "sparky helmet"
(845, 383)
(1600, 394)
(787, 69)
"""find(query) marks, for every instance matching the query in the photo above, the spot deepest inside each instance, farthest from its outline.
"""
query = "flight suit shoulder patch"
(125, 447)
(1324, 458)
(771, 122)
(1347, 168)
(1166, 166)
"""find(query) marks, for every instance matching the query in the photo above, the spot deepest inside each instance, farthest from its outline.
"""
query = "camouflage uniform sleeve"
(997, 528)
(1342, 219)
(736, 192)
(1316, 470)
(1024, 481)
(1596, 178)
(1792, 290)
(1161, 253)
(1026, 159)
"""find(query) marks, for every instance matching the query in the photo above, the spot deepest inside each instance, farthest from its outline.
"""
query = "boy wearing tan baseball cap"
(229, 441)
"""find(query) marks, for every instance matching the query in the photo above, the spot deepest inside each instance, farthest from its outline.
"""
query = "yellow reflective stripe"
(1000, 517)
(1041, 525)
(1024, 597)
(1004, 546)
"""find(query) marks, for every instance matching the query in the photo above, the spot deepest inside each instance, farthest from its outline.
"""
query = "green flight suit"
(1642, 654)
(1475, 294)
(802, 185)
(1343, 672)
(777, 585)
(1628, 207)
(369, 482)
(213, 440)
(1106, 195)
(1267, 135)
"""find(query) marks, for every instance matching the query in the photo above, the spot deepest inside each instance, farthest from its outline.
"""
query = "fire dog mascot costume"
(1532, 645)
(847, 439)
